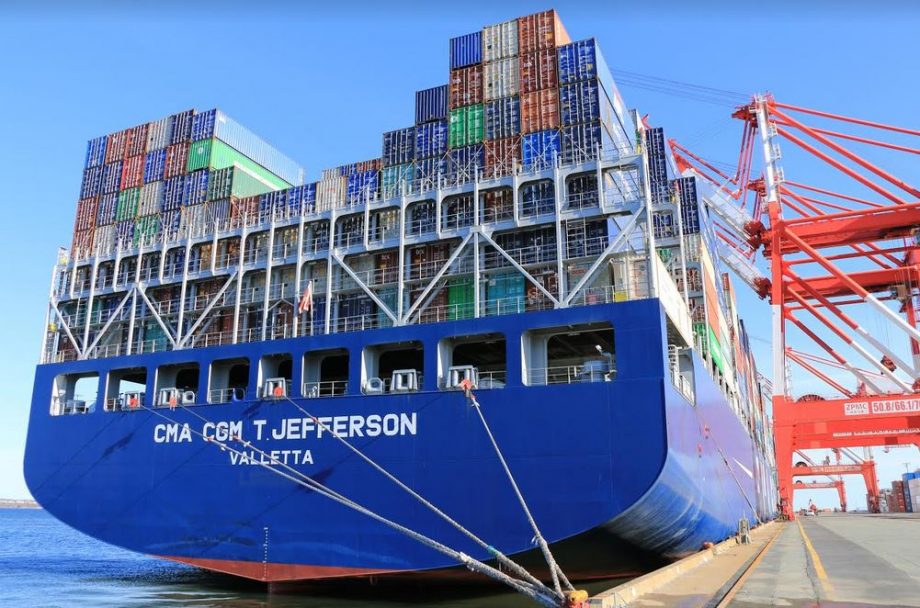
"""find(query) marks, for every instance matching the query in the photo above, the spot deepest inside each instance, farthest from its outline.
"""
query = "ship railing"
(502, 213)
(538, 206)
(683, 384)
(326, 388)
(154, 345)
(214, 338)
(579, 248)
(105, 350)
(72, 406)
(362, 322)
(567, 374)
(582, 200)
(484, 380)
(534, 254)
(226, 395)
(446, 312)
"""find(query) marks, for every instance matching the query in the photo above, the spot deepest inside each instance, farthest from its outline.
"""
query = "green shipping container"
(388, 297)
(234, 181)
(460, 299)
(215, 154)
(395, 180)
(505, 294)
(128, 201)
(146, 228)
(465, 126)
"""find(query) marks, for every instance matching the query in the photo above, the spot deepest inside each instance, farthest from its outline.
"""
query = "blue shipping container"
(581, 142)
(581, 60)
(203, 125)
(111, 177)
(173, 193)
(302, 199)
(170, 222)
(182, 127)
(585, 101)
(429, 170)
(503, 118)
(467, 161)
(154, 165)
(431, 139)
(108, 204)
(399, 146)
(196, 188)
(539, 150)
(92, 182)
(272, 202)
(465, 50)
(431, 104)
(362, 186)
(95, 151)
(124, 233)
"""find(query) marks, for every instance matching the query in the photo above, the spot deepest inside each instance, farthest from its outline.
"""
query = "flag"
(306, 300)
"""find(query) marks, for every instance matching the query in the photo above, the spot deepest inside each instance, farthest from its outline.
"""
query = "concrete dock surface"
(832, 560)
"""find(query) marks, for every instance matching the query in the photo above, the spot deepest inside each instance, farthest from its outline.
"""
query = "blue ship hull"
(628, 460)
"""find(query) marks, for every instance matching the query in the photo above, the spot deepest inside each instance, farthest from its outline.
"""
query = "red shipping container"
(538, 71)
(502, 156)
(465, 86)
(541, 31)
(132, 172)
(87, 210)
(540, 111)
(136, 141)
(82, 242)
(115, 146)
(248, 206)
(176, 158)
(368, 165)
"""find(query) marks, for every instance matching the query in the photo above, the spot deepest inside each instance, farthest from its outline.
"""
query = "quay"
(844, 559)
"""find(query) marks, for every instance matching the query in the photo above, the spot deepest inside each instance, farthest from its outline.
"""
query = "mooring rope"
(554, 568)
(501, 557)
(301, 479)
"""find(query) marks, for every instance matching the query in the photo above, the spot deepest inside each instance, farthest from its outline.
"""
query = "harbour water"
(43, 563)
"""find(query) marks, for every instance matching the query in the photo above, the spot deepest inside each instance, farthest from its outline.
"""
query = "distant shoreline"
(12, 503)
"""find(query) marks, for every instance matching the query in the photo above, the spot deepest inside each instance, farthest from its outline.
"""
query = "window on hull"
(177, 385)
(480, 359)
(74, 393)
(393, 368)
(229, 380)
(569, 355)
(325, 373)
(276, 372)
(126, 389)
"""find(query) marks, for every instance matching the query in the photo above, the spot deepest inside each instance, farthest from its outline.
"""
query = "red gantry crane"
(840, 235)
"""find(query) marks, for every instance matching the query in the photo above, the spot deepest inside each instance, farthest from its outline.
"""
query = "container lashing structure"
(839, 254)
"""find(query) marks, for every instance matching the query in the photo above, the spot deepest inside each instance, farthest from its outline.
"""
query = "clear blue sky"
(322, 84)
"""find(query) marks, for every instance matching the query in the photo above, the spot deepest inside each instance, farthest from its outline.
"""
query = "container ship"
(527, 235)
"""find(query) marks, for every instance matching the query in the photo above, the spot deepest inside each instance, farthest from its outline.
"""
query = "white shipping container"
(193, 218)
(151, 197)
(330, 173)
(502, 79)
(104, 239)
(159, 134)
(500, 41)
(913, 486)
(330, 193)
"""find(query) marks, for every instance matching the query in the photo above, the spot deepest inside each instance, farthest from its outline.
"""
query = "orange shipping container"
(176, 157)
(115, 146)
(82, 242)
(502, 156)
(465, 86)
(541, 31)
(540, 111)
(538, 71)
(137, 140)
(132, 172)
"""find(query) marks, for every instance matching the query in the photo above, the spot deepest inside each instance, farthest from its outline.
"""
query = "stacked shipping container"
(180, 172)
